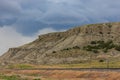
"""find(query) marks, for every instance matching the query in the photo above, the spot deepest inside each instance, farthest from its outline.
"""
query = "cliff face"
(41, 50)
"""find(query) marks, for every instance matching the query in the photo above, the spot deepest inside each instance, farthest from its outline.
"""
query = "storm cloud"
(28, 17)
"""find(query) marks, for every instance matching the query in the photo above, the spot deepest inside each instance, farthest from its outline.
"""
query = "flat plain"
(29, 74)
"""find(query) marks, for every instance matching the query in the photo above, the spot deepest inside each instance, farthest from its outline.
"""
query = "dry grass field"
(58, 75)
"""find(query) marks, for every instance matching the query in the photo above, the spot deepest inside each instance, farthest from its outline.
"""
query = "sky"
(21, 21)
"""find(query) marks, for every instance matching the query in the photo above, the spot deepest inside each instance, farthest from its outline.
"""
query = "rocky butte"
(77, 45)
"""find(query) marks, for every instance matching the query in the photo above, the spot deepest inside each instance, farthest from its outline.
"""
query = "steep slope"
(67, 47)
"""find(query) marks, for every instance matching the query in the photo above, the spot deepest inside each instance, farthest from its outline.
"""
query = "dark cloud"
(9, 12)
(28, 16)
(7, 6)
(20, 18)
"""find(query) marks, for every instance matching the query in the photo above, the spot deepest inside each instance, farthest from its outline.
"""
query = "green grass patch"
(92, 64)
(13, 77)
(20, 66)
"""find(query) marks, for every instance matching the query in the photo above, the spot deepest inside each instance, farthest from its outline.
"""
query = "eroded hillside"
(81, 44)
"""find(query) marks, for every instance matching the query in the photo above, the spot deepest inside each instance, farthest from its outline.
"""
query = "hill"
(88, 43)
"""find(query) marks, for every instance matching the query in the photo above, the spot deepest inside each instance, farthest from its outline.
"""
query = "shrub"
(117, 47)
(95, 51)
(54, 52)
(101, 32)
(100, 42)
(37, 79)
(109, 25)
(101, 60)
(109, 42)
(105, 50)
(66, 49)
(76, 47)
(88, 49)
(110, 46)
(108, 33)
(105, 46)
(93, 42)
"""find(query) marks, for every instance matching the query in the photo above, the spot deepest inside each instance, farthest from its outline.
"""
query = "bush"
(95, 51)
(93, 42)
(108, 33)
(105, 50)
(88, 49)
(54, 52)
(109, 42)
(101, 60)
(100, 42)
(76, 47)
(66, 49)
(37, 79)
(111, 46)
(105, 46)
(109, 25)
(101, 32)
(117, 47)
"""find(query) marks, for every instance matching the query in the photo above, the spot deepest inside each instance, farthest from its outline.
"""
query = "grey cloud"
(9, 6)
(26, 17)
(9, 11)
(24, 14)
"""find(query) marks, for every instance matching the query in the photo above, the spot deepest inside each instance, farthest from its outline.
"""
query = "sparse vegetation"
(101, 60)
(12, 77)
(95, 46)
(105, 50)
(117, 47)
(20, 66)
(64, 75)
(54, 52)
(93, 42)
(109, 25)
(95, 51)
(76, 47)
(101, 32)
(66, 49)
(73, 46)
(37, 79)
